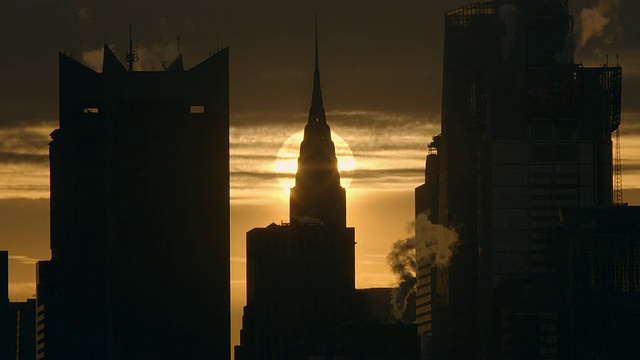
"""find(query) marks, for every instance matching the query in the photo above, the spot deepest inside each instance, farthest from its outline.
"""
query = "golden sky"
(380, 63)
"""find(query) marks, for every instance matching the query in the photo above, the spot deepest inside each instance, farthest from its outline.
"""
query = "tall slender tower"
(301, 276)
(318, 196)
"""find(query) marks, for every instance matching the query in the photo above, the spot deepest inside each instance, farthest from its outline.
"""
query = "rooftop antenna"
(178, 44)
(316, 39)
(132, 56)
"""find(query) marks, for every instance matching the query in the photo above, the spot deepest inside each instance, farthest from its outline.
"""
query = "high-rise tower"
(301, 276)
(318, 196)
(525, 132)
(139, 214)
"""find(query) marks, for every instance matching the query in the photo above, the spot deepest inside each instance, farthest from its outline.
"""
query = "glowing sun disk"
(286, 164)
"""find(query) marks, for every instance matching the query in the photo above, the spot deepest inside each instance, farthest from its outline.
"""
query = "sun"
(286, 163)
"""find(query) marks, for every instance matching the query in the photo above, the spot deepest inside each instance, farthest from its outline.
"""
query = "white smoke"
(595, 22)
(509, 15)
(432, 243)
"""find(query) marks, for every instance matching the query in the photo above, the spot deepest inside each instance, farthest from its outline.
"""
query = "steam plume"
(402, 260)
(509, 15)
(432, 243)
(435, 243)
(593, 22)
(151, 58)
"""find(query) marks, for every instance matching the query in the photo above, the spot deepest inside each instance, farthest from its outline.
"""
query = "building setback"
(139, 214)
(525, 131)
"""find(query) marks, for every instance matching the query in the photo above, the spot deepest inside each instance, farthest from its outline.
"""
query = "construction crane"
(617, 173)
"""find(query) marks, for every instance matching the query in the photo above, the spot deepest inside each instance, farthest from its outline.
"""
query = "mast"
(132, 56)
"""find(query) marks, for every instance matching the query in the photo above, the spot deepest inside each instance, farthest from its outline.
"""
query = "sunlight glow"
(286, 163)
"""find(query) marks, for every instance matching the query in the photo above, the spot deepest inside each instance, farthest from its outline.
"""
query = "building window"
(541, 153)
(567, 153)
(197, 109)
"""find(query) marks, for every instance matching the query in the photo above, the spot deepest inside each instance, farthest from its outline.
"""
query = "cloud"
(21, 291)
(17, 158)
(93, 58)
(155, 57)
(24, 260)
(368, 174)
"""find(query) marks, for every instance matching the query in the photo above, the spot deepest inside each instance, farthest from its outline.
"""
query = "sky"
(381, 69)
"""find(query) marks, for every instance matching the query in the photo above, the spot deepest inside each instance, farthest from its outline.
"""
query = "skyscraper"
(4, 304)
(139, 213)
(317, 195)
(525, 131)
(301, 275)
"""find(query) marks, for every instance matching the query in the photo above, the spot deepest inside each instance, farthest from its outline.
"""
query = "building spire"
(316, 113)
(317, 197)
(317, 42)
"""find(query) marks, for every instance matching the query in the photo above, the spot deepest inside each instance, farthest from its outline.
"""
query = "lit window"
(197, 109)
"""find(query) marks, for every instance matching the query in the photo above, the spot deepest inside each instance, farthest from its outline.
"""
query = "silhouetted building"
(372, 306)
(139, 214)
(4, 304)
(373, 341)
(603, 282)
(525, 131)
(301, 276)
(22, 332)
(429, 311)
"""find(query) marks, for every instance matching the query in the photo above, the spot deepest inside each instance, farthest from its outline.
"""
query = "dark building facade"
(4, 304)
(139, 214)
(525, 131)
(301, 275)
(603, 281)
(22, 332)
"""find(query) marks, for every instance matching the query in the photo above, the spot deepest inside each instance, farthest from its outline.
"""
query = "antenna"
(316, 39)
(132, 55)
(178, 44)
